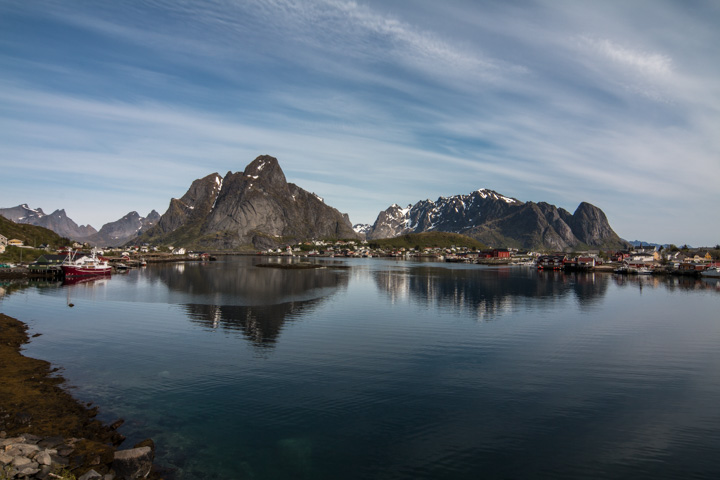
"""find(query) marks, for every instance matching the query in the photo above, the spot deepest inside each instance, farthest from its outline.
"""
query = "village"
(637, 260)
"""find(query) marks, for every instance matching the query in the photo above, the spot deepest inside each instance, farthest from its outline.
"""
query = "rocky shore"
(47, 434)
(29, 456)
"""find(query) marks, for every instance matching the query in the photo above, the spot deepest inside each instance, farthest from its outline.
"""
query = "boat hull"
(87, 271)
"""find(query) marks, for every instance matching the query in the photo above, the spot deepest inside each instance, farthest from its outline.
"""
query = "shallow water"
(392, 369)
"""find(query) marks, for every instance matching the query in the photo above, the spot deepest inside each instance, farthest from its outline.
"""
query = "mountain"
(639, 243)
(119, 232)
(495, 219)
(362, 229)
(257, 208)
(57, 221)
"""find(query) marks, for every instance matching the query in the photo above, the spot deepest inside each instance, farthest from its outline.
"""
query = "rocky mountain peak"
(256, 207)
(265, 169)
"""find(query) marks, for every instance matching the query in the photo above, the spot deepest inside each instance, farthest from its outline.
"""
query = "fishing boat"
(86, 265)
(712, 272)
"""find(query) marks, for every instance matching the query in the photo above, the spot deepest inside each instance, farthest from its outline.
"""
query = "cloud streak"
(367, 103)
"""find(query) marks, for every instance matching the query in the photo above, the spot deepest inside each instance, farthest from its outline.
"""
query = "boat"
(712, 272)
(86, 265)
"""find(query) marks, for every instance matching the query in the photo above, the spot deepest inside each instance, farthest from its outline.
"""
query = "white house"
(3, 240)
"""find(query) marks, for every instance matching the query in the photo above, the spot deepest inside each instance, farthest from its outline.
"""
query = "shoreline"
(35, 406)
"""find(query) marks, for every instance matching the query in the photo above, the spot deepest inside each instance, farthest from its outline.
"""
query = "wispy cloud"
(368, 103)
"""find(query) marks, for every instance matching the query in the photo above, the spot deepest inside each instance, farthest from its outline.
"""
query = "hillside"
(30, 234)
(428, 240)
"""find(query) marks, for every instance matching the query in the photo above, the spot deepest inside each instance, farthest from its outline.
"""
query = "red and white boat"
(87, 265)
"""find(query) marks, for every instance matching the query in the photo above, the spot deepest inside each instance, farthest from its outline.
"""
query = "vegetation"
(31, 235)
(19, 254)
(428, 240)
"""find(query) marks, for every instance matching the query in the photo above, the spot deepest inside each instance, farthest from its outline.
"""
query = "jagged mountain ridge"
(119, 232)
(111, 234)
(499, 220)
(255, 207)
(57, 221)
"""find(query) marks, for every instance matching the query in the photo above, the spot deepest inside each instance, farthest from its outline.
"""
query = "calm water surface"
(393, 370)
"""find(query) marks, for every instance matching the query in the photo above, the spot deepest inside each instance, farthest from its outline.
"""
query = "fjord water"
(374, 368)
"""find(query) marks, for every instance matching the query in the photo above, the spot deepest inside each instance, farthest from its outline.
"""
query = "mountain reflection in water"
(260, 324)
(247, 284)
(488, 292)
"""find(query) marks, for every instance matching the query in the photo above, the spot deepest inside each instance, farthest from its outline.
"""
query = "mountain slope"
(119, 232)
(257, 208)
(498, 220)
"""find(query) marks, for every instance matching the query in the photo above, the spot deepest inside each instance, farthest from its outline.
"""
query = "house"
(551, 262)
(3, 240)
(48, 259)
(640, 259)
(501, 253)
(15, 242)
(689, 267)
(585, 262)
(2, 248)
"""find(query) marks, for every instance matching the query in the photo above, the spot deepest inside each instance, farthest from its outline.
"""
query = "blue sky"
(108, 107)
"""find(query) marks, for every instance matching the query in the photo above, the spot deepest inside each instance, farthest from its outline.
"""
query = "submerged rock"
(133, 463)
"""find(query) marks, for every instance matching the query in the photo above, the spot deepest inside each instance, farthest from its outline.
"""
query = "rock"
(21, 462)
(43, 458)
(30, 438)
(65, 451)
(9, 441)
(5, 458)
(146, 443)
(90, 475)
(133, 463)
(45, 471)
(28, 471)
(117, 423)
(23, 449)
(50, 442)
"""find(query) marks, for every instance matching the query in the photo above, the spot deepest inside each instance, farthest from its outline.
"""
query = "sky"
(108, 107)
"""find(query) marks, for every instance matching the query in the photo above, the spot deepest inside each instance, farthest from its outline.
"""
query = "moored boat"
(712, 272)
(86, 265)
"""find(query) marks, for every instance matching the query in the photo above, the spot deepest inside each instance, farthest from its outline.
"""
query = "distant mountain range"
(111, 234)
(258, 208)
(499, 220)
(57, 221)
